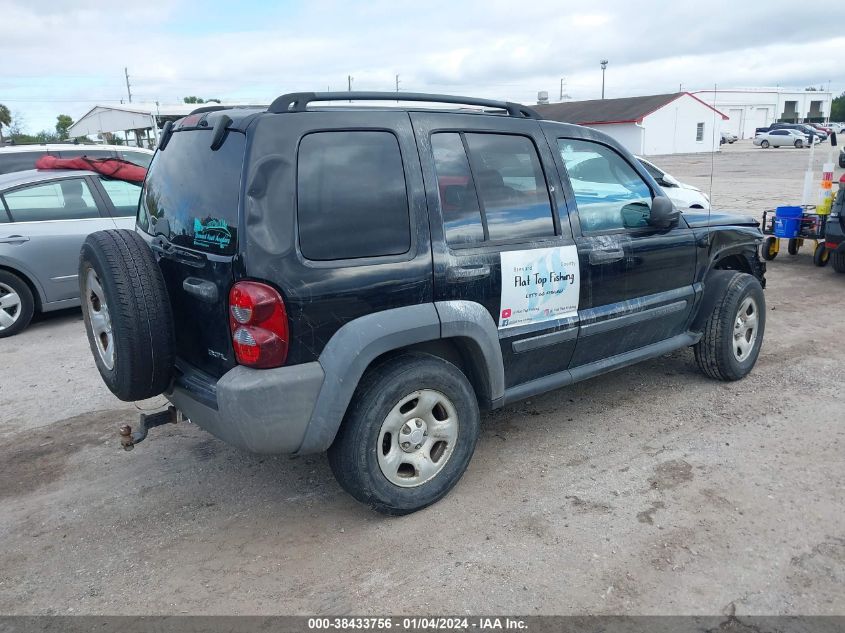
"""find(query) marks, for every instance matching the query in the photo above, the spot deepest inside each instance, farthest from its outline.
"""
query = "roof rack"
(217, 107)
(298, 101)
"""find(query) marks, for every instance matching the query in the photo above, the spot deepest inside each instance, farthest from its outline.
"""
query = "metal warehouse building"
(672, 123)
(749, 109)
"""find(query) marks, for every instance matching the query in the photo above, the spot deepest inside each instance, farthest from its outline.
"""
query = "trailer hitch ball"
(129, 438)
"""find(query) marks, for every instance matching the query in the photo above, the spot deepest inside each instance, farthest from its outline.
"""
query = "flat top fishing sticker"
(539, 285)
(211, 232)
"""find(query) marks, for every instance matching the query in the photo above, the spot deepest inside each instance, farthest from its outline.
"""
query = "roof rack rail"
(298, 101)
(217, 107)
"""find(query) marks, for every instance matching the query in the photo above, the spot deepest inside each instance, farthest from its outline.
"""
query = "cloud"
(63, 57)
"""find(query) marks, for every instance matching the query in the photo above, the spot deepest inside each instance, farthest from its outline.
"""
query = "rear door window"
(191, 193)
(352, 200)
(511, 186)
(458, 199)
(68, 199)
(123, 195)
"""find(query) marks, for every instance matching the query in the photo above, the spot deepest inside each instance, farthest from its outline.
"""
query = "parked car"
(781, 138)
(842, 158)
(44, 219)
(727, 137)
(837, 127)
(22, 157)
(365, 280)
(683, 195)
(813, 134)
(834, 240)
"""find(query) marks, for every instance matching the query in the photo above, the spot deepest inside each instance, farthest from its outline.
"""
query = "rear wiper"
(162, 245)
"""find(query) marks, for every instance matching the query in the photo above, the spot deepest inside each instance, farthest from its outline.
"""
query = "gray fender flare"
(358, 343)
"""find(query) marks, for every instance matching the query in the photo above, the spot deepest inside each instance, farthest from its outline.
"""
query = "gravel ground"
(651, 490)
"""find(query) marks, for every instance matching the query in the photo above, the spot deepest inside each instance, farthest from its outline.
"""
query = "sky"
(64, 57)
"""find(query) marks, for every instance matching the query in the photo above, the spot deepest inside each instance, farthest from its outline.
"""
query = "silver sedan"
(781, 138)
(44, 218)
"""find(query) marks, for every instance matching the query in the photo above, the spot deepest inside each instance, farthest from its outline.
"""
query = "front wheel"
(733, 334)
(837, 258)
(792, 246)
(408, 435)
(799, 143)
(764, 144)
(821, 255)
(770, 249)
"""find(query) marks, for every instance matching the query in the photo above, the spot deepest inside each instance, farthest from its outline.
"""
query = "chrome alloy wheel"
(10, 306)
(98, 316)
(745, 329)
(417, 438)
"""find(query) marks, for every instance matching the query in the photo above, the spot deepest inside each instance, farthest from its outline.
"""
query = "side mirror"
(668, 181)
(663, 214)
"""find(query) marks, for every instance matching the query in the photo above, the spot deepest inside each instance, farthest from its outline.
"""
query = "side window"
(458, 201)
(699, 132)
(351, 196)
(139, 158)
(123, 195)
(511, 186)
(62, 200)
(610, 195)
(18, 161)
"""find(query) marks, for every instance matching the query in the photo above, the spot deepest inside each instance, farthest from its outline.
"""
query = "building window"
(699, 132)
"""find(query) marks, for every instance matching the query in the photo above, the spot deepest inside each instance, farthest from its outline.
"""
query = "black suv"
(364, 280)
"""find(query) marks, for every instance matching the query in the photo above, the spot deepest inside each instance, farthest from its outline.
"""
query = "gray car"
(44, 218)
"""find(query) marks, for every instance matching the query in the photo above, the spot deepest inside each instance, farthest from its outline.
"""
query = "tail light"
(259, 324)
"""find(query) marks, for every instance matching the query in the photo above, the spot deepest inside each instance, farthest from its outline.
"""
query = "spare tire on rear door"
(127, 314)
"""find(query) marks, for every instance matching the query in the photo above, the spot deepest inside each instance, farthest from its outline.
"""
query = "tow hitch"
(128, 438)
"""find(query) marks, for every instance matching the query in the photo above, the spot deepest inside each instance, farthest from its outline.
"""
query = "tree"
(63, 122)
(837, 108)
(199, 100)
(5, 119)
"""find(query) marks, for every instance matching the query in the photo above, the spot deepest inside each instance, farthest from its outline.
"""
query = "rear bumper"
(260, 410)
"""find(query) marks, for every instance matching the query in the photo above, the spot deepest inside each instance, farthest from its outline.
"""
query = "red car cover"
(111, 167)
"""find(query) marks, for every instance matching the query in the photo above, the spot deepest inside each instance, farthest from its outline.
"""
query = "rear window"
(18, 161)
(191, 193)
(351, 196)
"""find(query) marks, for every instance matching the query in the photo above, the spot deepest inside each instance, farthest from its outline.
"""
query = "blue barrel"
(788, 221)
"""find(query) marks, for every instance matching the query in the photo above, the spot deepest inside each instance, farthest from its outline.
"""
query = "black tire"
(25, 306)
(842, 160)
(837, 260)
(714, 353)
(799, 143)
(768, 251)
(764, 144)
(821, 256)
(142, 339)
(353, 456)
(792, 246)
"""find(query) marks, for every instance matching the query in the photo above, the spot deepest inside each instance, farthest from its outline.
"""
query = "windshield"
(191, 193)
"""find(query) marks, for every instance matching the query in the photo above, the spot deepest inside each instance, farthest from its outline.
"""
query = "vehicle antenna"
(712, 162)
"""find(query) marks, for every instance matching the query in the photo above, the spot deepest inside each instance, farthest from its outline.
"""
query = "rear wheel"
(837, 259)
(17, 304)
(127, 314)
(793, 246)
(770, 248)
(733, 334)
(408, 435)
(821, 255)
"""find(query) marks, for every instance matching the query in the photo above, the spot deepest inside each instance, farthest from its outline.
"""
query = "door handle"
(14, 239)
(607, 256)
(467, 273)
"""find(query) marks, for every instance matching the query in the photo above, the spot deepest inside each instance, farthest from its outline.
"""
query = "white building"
(676, 123)
(142, 120)
(751, 108)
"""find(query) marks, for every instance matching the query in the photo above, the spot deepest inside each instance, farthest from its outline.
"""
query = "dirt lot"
(650, 490)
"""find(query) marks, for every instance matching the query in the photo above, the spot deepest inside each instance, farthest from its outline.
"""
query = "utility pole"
(128, 89)
(603, 68)
(349, 84)
(397, 87)
(561, 89)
